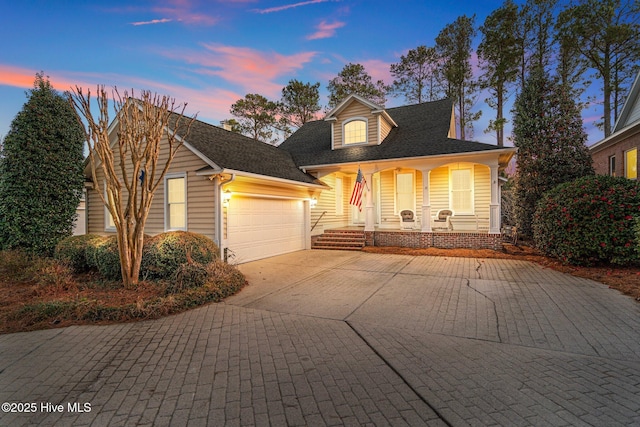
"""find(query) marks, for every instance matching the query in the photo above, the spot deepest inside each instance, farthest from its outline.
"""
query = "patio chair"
(407, 219)
(442, 220)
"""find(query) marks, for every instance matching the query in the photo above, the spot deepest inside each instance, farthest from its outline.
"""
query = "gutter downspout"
(219, 211)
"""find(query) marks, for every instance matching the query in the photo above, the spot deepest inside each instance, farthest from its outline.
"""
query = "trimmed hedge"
(589, 220)
(73, 251)
(107, 258)
(164, 253)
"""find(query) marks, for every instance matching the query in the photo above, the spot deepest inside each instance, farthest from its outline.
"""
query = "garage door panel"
(260, 227)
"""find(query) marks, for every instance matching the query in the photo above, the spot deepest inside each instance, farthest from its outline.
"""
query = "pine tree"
(549, 134)
(41, 172)
(354, 79)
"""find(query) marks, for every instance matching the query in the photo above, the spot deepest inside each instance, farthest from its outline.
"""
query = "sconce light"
(313, 202)
(226, 197)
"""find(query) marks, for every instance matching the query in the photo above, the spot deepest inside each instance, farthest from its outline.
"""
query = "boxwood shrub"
(107, 258)
(164, 253)
(73, 251)
(589, 220)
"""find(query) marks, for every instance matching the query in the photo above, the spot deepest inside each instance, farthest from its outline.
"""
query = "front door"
(358, 216)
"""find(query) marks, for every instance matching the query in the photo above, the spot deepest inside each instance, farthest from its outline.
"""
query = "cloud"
(290, 6)
(325, 30)
(378, 70)
(252, 70)
(153, 21)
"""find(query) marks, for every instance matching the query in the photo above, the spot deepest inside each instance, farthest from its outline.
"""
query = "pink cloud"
(378, 70)
(289, 6)
(252, 70)
(325, 30)
(153, 21)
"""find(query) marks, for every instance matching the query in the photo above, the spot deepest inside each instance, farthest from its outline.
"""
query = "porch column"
(370, 218)
(494, 207)
(426, 201)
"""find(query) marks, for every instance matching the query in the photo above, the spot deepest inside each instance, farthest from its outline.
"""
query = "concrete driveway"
(350, 338)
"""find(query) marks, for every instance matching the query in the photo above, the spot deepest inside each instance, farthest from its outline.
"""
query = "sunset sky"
(210, 53)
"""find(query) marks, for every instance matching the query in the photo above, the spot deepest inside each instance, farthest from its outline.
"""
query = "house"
(617, 154)
(256, 200)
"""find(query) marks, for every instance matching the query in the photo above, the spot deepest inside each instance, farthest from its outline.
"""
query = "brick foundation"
(445, 240)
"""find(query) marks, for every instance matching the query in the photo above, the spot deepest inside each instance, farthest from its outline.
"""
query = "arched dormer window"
(355, 131)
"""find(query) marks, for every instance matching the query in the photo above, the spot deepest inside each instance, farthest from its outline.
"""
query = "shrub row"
(163, 254)
(590, 220)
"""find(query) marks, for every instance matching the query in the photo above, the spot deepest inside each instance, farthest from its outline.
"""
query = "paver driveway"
(332, 338)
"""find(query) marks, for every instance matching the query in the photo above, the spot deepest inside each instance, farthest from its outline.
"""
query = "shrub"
(107, 258)
(73, 251)
(51, 273)
(589, 220)
(166, 252)
(90, 251)
(14, 264)
(188, 276)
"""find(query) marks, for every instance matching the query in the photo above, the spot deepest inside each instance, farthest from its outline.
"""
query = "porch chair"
(407, 219)
(442, 220)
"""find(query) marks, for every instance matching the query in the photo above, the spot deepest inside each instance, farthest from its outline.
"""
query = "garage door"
(259, 228)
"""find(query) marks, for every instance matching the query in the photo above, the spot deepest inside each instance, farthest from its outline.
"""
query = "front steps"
(345, 240)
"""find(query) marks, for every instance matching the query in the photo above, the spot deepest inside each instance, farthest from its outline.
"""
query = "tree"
(607, 34)
(257, 116)
(41, 172)
(549, 135)
(499, 54)
(300, 102)
(131, 166)
(453, 45)
(353, 79)
(416, 75)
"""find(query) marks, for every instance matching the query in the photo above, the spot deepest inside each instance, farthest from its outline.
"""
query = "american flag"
(358, 188)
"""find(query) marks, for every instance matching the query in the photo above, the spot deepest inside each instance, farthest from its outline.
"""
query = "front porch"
(412, 238)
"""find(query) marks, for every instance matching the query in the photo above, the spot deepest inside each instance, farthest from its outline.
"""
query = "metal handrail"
(318, 220)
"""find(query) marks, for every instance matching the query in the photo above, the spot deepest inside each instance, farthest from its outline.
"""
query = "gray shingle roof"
(422, 131)
(230, 150)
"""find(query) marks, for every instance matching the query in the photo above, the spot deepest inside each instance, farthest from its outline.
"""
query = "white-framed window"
(109, 224)
(339, 200)
(631, 163)
(355, 131)
(405, 192)
(461, 185)
(612, 165)
(175, 196)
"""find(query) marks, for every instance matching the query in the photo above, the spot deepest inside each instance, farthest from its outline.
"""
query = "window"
(462, 191)
(109, 224)
(405, 196)
(355, 132)
(339, 201)
(176, 202)
(612, 165)
(631, 164)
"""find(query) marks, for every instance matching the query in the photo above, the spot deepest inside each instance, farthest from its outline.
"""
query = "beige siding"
(482, 192)
(327, 203)
(385, 128)
(200, 199)
(439, 190)
(356, 109)
(387, 200)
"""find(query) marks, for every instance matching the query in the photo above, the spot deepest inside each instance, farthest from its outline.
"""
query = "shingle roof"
(422, 131)
(230, 150)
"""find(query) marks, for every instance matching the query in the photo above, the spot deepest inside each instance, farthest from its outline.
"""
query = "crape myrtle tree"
(354, 79)
(132, 167)
(41, 172)
(549, 134)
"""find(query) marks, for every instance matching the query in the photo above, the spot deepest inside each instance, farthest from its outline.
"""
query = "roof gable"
(631, 110)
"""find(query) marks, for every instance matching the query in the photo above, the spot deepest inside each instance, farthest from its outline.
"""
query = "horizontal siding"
(482, 192)
(355, 109)
(327, 203)
(439, 191)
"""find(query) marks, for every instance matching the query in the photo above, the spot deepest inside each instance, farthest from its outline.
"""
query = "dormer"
(358, 122)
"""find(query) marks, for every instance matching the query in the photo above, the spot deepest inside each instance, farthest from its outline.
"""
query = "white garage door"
(259, 228)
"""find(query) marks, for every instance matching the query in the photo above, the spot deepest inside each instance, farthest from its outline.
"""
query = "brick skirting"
(445, 240)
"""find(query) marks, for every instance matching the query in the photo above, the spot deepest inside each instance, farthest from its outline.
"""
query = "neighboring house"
(617, 155)
(256, 200)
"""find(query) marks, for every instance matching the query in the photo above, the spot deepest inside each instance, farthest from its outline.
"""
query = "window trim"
(366, 131)
(107, 215)
(612, 165)
(167, 177)
(458, 211)
(626, 162)
(339, 190)
(395, 190)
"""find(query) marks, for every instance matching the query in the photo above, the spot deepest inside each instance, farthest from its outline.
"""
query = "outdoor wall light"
(226, 197)
(313, 202)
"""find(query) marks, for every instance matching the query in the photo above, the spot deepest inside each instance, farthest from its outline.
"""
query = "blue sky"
(210, 53)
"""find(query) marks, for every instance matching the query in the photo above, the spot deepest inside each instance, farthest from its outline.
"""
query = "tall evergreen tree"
(256, 116)
(41, 172)
(300, 102)
(354, 79)
(499, 54)
(607, 34)
(549, 135)
(453, 45)
(416, 75)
